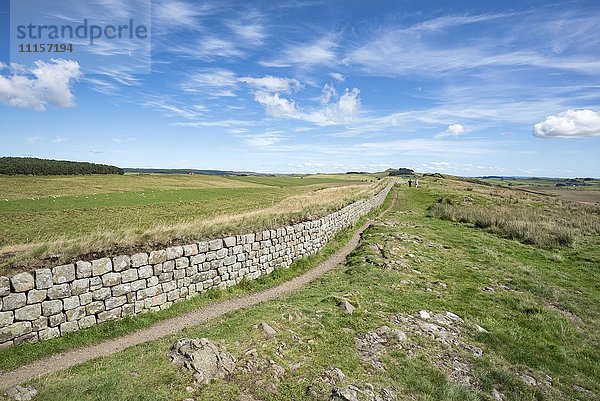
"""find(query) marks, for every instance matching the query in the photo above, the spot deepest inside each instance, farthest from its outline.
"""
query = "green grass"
(295, 181)
(67, 216)
(543, 318)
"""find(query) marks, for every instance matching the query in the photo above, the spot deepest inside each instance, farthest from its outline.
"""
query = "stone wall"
(51, 302)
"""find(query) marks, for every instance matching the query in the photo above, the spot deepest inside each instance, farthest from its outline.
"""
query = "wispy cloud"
(320, 52)
(123, 140)
(215, 82)
(188, 112)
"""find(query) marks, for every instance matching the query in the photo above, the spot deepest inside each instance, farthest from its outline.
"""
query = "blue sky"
(507, 88)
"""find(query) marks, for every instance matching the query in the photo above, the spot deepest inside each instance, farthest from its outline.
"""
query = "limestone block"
(83, 269)
(22, 282)
(43, 279)
(121, 263)
(63, 274)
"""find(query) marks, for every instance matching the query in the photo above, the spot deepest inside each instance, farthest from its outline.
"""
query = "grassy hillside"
(525, 321)
(71, 215)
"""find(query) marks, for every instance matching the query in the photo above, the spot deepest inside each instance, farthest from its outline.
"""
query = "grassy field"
(67, 216)
(529, 327)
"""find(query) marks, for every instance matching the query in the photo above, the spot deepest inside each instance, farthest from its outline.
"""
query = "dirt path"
(171, 326)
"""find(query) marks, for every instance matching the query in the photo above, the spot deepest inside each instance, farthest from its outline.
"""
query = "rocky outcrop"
(204, 359)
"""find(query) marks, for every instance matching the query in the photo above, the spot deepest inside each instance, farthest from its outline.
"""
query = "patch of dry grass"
(518, 216)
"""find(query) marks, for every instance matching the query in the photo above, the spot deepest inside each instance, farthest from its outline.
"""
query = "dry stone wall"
(51, 302)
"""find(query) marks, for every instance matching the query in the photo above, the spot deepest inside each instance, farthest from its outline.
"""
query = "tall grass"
(547, 227)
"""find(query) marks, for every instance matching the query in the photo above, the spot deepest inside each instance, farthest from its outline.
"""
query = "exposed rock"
(348, 393)
(530, 380)
(205, 359)
(22, 282)
(346, 307)
(353, 393)
(480, 329)
(19, 393)
(333, 376)
(498, 396)
(268, 329)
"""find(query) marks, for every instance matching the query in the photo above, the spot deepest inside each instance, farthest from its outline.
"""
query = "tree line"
(35, 166)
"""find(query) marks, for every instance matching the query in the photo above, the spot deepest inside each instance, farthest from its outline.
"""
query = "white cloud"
(328, 93)
(188, 112)
(570, 124)
(209, 48)
(253, 33)
(322, 51)
(277, 106)
(272, 84)
(175, 13)
(50, 84)
(455, 129)
(341, 111)
(59, 139)
(215, 82)
(123, 140)
(337, 77)
(220, 123)
(264, 139)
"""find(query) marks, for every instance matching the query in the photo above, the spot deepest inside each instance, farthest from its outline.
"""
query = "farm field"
(66, 216)
(444, 310)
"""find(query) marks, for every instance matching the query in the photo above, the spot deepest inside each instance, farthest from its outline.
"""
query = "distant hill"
(35, 166)
(400, 171)
(189, 171)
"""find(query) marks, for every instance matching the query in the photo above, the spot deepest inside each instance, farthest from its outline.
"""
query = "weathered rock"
(101, 266)
(111, 279)
(52, 307)
(333, 376)
(121, 263)
(83, 269)
(22, 282)
(6, 318)
(13, 301)
(36, 296)
(19, 393)
(348, 393)
(14, 330)
(28, 313)
(129, 275)
(268, 329)
(4, 286)
(174, 252)
(139, 259)
(43, 279)
(63, 274)
(398, 335)
(59, 291)
(528, 379)
(204, 359)
(498, 396)
(346, 307)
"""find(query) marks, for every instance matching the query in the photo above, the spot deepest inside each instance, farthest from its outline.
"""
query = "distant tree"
(401, 171)
(35, 166)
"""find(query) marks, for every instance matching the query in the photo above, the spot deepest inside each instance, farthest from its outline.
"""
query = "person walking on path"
(416, 183)
(410, 183)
